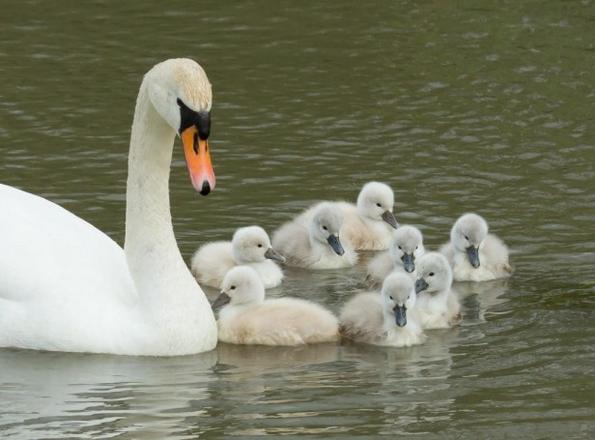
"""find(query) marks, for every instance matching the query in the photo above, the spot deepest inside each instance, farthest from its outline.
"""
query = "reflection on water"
(481, 106)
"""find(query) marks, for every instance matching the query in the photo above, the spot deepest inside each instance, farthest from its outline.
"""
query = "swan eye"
(466, 238)
(379, 205)
(431, 274)
(325, 228)
(391, 297)
(400, 248)
(233, 287)
(259, 245)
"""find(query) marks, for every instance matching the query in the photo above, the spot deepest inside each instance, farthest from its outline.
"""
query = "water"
(475, 105)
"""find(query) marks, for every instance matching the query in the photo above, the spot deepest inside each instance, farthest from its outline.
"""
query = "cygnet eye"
(391, 297)
(233, 287)
(400, 248)
(379, 205)
(466, 238)
(325, 228)
(416, 247)
(431, 274)
(259, 245)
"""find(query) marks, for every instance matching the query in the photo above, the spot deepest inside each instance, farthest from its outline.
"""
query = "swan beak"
(272, 254)
(389, 218)
(473, 255)
(421, 285)
(221, 300)
(400, 315)
(408, 262)
(335, 243)
(198, 160)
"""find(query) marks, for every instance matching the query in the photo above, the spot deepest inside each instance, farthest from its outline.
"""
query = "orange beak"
(198, 160)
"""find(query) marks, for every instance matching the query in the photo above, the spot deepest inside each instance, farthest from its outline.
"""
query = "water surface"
(482, 106)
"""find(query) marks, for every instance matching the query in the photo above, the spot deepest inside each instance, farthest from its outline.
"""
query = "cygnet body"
(437, 304)
(248, 318)
(249, 246)
(313, 240)
(385, 318)
(407, 246)
(473, 254)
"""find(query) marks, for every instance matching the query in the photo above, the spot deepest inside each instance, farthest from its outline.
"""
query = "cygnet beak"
(389, 218)
(221, 300)
(272, 254)
(473, 255)
(400, 315)
(333, 241)
(408, 262)
(421, 285)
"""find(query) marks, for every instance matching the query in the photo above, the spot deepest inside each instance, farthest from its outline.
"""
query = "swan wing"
(49, 254)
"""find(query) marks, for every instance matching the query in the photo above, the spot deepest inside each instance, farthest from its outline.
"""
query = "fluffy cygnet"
(312, 240)
(370, 224)
(385, 318)
(473, 254)
(437, 304)
(249, 246)
(406, 247)
(247, 318)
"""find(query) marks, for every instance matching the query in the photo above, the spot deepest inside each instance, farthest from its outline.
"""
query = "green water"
(482, 106)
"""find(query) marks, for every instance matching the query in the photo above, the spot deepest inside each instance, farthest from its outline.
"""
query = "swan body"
(249, 246)
(249, 318)
(370, 223)
(473, 254)
(66, 286)
(406, 247)
(385, 318)
(312, 240)
(437, 304)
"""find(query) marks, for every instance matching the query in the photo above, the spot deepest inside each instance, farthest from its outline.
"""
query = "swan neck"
(154, 259)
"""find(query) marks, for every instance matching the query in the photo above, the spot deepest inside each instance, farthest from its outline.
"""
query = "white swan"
(406, 247)
(473, 254)
(385, 318)
(312, 240)
(437, 304)
(247, 318)
(249, 246)
(66, 286)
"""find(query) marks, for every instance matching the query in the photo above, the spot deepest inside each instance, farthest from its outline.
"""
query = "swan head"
(325, 226)
(252, 245)
(376, 201)
(407, 246)
(241, 286)
(398, 295)
(180, 92)
(467, 234)
(433, 273)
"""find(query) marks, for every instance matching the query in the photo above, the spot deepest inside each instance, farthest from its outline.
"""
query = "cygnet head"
(376, 201)
(241, 285)
(433, 273)
(407, 246)
(180, 93)
(252, 245)
(467, 234)
(325, 226)
(398, 295)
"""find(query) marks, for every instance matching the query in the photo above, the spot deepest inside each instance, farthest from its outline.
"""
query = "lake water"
(482, 106)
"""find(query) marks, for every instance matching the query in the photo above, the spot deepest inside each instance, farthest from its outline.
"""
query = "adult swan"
(66, 286)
